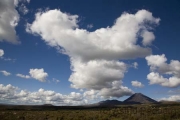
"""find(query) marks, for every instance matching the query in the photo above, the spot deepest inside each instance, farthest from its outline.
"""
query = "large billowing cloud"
(160, 68)
(96, 74)
(95, 56)
(12, 94)
(100, 75)
(117, 90)
(9, 18)
(116, 42)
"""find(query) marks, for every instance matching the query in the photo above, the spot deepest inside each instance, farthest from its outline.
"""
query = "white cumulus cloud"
(117, 90)
(116, 42)
(137, 84)
(100, 75)
(1, 52)
(163, 73)
(96, 74)
(23, 76)
(155, 61)
(90, 94)
(148, 37)
(156, 78)
(172, 98)
(9, 19)
(15, 95)
(38, 74)
(5, 73)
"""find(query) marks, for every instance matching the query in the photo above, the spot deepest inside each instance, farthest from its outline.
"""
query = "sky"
(65, 52)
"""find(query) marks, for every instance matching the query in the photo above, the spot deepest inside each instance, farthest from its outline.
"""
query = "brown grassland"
(123, 112)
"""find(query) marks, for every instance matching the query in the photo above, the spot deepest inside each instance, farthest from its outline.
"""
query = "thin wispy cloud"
(5, 73)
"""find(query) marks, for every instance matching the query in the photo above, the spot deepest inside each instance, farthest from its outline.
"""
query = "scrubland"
(124, 112)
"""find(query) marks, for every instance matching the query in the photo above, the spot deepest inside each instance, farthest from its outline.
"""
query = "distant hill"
(110, 103)
(48, 105)
(105, 103)
(169, 102)
(139, 98)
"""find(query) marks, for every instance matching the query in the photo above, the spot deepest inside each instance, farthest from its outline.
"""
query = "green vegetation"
(124, 112)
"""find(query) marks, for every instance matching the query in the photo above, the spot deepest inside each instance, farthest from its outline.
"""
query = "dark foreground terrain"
(122, 112)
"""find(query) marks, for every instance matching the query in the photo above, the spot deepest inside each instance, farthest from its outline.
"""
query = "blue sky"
(77, 52)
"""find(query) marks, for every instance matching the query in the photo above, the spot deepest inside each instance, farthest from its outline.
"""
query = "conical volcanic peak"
(139, 98)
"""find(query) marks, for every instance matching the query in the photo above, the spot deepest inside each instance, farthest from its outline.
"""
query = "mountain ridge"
(137, 98)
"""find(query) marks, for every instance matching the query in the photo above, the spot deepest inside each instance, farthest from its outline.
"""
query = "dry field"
(136, 112)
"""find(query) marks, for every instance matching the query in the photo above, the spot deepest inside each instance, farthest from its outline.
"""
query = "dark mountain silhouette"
(110, 103)
(48, 105)
(139, 98)
(105, 103)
